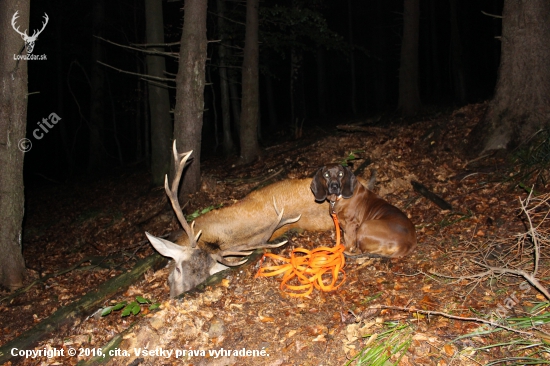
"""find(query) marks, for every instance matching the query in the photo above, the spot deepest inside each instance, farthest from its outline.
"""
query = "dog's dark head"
(333, 180)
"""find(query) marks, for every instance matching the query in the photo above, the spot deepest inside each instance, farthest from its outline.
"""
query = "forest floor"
(456, 272)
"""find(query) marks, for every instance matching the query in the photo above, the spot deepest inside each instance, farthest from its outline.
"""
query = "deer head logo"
(29, 41)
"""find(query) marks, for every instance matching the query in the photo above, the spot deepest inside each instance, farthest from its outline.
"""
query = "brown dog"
(370, 224)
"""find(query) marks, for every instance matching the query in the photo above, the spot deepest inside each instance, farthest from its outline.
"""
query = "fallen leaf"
(449, 349)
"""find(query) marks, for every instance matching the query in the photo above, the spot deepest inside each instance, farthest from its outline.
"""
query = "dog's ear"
(348, 183)
(319, 186)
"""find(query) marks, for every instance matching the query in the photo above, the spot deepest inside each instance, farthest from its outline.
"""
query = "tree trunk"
(379, 63)
(228, 146)
(190, 82)
(159, 103)
(271, 106)
(458, 69)
(321, 83)
(234, 94)
(297, 97)
(434, 81)
(97, 115)
(521, 105)
(13, 117)
(250, 149)
(353, 84)
(140, 106)
(409, 100)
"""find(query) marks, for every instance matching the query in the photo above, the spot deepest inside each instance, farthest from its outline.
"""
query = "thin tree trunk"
(353, 85)
(97, 113)
(409, 99)
(140, 100)
(435, 73)
(13, 117)
(297, 96)
(159, 103)
(190, 82)
(63, 128)
(379, 63)
(234, 94)
(271, 108)
(457, 57)
(250, 148)
(321, 83)
(521, 105)
(228, 145)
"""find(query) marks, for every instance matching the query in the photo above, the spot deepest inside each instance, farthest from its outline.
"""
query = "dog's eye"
(326, 174)
(340, 174)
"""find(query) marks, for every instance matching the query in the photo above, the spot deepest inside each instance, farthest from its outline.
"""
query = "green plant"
(133, 307)
(205, 210)
(393, 342)
(534, 159)
(351, 157)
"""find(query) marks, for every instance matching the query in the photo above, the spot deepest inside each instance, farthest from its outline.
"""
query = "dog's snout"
(334, 187)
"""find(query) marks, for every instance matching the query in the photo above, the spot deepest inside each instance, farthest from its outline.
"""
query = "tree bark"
(250, 148)
(434, 81)
(458, 68)
(379, 63)
(13, 120)
(409, 99)
(228, 146)
(271, 106)
(321, 83)
(190, 82)
(159, 103)
(521, 105)
(353, 85)
(97, 80)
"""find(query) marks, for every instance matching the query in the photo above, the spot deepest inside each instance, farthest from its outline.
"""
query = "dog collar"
(332, 203)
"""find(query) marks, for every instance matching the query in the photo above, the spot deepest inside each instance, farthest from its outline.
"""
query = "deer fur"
(246, 221)
(237, 230)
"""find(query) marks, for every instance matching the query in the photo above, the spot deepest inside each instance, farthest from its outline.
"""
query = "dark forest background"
(327, 33)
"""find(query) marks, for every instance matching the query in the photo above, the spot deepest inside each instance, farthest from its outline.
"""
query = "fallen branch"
(85, 305)
(518, 272)
(374, 131)
(440, 202)
(456, 317)
(43, 280)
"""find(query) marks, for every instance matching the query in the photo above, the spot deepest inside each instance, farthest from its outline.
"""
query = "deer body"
(237, 230)
(248, 220)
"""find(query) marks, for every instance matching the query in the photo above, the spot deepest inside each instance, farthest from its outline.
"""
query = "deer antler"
(13, 19)
(287, 221)
(35, 33)
(179, 161)
(244, 250)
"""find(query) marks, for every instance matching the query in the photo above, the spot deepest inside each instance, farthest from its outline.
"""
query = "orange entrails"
(309, 268)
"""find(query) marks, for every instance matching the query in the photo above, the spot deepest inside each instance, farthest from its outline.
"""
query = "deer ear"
(318, 186)
(168, 249)
(348, 183)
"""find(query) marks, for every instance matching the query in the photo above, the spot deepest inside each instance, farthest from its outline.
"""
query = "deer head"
(192, 264)
(29, 40)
